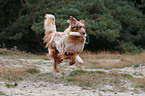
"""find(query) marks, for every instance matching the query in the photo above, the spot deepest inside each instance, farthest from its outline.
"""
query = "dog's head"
(77, 26)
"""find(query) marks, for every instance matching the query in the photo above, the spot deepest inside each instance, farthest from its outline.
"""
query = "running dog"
(64, 45)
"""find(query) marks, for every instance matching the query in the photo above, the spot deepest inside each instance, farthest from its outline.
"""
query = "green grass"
(77, 72)
(142, 84)
(136, 66)
(127, 75)
(46, 58)
(82, 72)
(10, 85)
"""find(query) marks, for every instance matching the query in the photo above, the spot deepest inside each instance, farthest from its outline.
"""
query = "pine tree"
(114, 25)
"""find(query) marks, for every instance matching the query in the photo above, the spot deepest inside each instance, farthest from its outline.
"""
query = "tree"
(116, 25)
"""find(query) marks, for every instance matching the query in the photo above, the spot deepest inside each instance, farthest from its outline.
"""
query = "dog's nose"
(84, 33)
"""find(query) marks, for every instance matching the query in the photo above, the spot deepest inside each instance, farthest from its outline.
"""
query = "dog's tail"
(49, 26)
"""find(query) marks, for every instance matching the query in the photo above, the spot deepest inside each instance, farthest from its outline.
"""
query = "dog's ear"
(82, 21)
(68, 21)
(72, 20)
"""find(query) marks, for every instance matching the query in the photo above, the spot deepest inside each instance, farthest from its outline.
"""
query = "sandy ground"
(29, 88)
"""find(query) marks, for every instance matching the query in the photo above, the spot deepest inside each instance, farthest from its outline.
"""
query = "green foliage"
(129, 47)
(114, 25)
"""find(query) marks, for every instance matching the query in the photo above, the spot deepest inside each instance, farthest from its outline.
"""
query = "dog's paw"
(57, 71)
(71, 62)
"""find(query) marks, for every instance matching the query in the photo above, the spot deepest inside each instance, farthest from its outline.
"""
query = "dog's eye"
(78, 28)
(75, 28)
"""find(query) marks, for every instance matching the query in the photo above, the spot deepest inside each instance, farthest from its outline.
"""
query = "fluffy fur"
(62, 45)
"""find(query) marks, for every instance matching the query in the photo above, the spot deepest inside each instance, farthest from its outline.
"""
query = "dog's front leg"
(77, 57)
(72, 60)
(71, 56)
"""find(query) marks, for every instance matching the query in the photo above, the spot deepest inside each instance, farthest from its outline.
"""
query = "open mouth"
(76, 34)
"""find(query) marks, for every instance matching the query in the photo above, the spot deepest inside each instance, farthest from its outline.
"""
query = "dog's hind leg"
(57, 59)
(55, 67)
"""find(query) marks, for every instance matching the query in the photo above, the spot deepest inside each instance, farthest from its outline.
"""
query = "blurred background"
(112, 25)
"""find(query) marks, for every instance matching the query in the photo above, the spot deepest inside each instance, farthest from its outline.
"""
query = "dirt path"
(28, 88)
(135, 72)
(41, 88)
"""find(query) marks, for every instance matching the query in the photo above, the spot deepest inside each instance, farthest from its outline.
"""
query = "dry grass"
(16, 54)
(111, 60)
(17, 73)
(12, 68)
(99, 79)
(2, 94)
